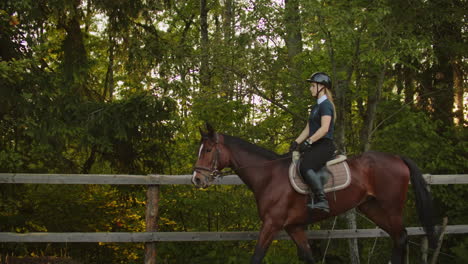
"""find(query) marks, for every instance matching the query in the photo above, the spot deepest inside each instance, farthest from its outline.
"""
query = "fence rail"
(156, 179)
(145, 237)
(151, 237)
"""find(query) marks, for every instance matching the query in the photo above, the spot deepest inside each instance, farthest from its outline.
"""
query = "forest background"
(122, 87)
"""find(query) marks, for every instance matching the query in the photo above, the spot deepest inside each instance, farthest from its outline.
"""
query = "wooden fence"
(151, 236)
(153, 179)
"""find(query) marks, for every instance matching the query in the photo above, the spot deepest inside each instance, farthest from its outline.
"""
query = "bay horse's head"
(212, 158)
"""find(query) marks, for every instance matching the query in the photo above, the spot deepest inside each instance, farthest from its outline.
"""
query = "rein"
(264, 164)
(214, 174)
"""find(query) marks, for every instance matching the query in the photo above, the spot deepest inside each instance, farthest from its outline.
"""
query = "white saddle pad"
(340, 179)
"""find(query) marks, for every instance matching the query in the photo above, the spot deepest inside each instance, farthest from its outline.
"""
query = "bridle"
(214, 173)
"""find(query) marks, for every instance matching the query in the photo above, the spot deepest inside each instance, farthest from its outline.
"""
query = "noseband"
(214, 173)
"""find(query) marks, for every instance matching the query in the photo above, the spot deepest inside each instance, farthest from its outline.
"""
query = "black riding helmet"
(322, 78)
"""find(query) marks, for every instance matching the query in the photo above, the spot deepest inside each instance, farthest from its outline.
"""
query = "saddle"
(340, 176)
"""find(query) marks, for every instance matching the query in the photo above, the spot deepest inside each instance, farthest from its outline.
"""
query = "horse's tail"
(423, 201)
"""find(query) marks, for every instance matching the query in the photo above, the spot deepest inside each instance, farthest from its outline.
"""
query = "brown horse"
(378, 189)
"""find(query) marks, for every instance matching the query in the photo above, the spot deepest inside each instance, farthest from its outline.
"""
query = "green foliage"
(114, 87)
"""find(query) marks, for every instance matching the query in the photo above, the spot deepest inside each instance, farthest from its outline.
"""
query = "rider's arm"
(325, 121)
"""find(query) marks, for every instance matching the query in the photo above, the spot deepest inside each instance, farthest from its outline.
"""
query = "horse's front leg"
(267, 234)
(299, 236)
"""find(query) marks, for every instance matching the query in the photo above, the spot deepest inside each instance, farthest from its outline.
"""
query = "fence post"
(424, 249)
(439, 242)
(151, 217)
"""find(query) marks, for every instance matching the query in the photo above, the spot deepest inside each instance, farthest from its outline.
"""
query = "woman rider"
(318, 138)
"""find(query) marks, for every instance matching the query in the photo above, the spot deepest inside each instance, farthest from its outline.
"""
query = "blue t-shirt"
(324, 108)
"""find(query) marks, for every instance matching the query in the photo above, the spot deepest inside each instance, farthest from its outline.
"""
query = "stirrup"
(321, 207)
(320, 204)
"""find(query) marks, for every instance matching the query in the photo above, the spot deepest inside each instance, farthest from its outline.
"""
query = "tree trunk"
(343, 90)
(408, 86)
(109, 82)
(425, 89)
(75, 56)
(229, 57)
(339, 91)
(293, 40)
(442, 98)
(89, 161)
(366, 134)
(204, 45)
(445, 33)
(369, 120)
(228, 21)
(458, 77)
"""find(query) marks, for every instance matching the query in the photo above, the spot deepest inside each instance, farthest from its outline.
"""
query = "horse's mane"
(268, 154)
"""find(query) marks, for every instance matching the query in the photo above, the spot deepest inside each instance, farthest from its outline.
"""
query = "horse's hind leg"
(399, 248)
(390, 219)
(298, 234)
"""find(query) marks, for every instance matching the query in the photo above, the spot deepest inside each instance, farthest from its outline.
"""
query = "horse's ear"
(202, 133)
(211, 131)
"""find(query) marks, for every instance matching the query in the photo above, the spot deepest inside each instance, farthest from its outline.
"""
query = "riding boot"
(324, 175)
(315, 182)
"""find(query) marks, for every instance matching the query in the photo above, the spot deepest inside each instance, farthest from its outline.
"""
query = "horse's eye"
(208, 150)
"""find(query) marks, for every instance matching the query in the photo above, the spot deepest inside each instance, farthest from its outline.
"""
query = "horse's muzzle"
(199, 180)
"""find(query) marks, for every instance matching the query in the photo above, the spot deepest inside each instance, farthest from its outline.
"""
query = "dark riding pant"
(316, 155)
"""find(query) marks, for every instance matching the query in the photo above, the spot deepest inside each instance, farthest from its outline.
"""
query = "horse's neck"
(250, 167)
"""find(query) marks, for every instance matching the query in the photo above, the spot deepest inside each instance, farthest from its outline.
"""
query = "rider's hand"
(294, 146)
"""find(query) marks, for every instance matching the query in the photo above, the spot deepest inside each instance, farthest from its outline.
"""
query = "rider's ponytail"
(330, 98)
